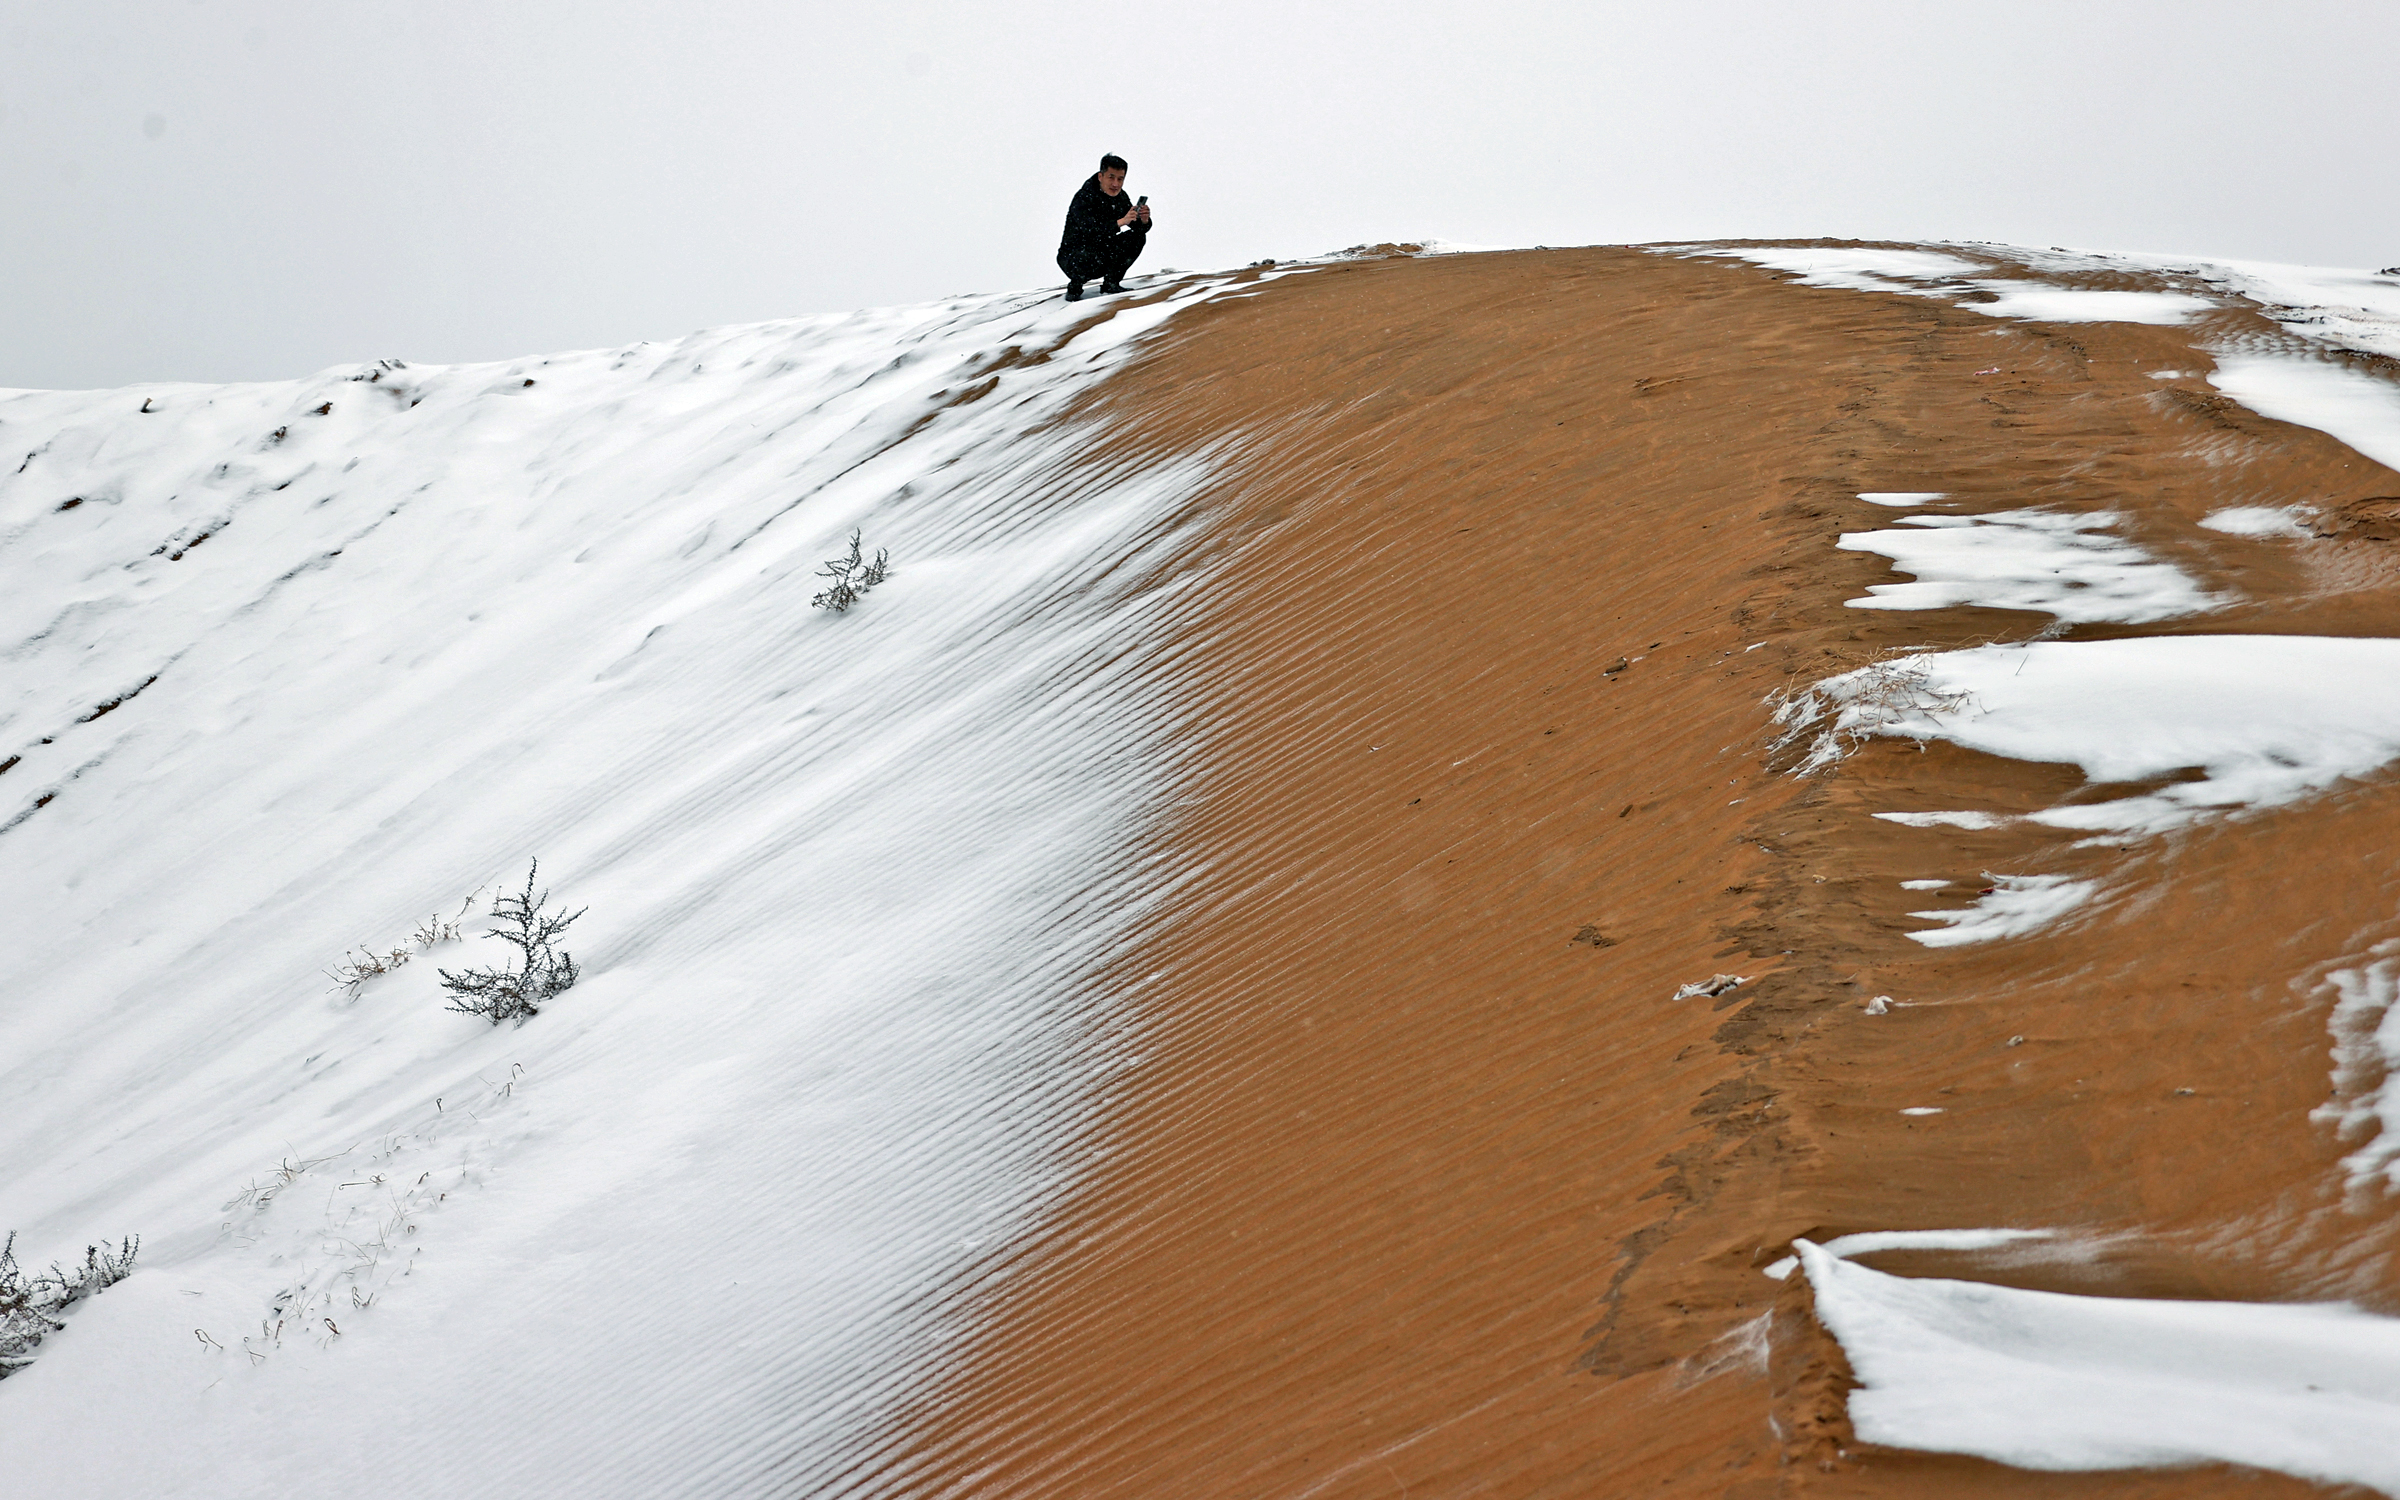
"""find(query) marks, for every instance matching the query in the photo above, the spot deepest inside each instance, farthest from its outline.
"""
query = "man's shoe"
(1112, 285)
(1074, 291)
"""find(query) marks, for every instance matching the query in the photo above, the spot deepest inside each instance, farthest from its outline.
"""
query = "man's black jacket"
(1092, 219)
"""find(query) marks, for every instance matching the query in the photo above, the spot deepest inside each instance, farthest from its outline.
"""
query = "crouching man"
(1105, 231)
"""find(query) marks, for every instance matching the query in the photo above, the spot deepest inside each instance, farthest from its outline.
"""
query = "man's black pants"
(1107, 261)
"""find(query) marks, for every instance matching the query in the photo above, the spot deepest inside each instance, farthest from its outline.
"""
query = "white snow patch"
(2058, 563)
(2044, 1380)
(2017, 905)
(2340, 400)
(1858, 270)
(2267, 720)
(2257, 520)
(1902, 497)
(1962, 818)
(2365, 1106)
(1870, 1241)
(1923, 885)
(2050, 304)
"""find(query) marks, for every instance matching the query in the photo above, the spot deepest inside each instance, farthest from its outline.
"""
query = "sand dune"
(1425, 1185)
(1720, 870)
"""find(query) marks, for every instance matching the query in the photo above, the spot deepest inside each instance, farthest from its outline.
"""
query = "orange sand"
(1414, 1192)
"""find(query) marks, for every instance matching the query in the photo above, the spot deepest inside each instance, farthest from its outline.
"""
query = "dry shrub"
(541, 972)
(852, 576)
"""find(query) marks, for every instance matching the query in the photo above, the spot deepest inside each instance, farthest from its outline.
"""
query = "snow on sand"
(376, 638)
(2044, 1380)
(2267, 720)
(2192, 727)
(2063, 565)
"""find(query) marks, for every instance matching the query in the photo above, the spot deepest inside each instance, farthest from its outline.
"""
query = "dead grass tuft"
(1836, 714)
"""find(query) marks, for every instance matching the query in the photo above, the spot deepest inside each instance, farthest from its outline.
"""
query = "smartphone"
(1142, 202)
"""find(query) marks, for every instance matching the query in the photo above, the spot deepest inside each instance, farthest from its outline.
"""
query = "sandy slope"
(1416, 1193)
(1174, 996)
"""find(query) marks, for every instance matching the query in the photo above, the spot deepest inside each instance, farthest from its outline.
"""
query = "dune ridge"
(1425, 1182)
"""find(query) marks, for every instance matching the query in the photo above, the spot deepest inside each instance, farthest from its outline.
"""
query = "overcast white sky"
(239, 189)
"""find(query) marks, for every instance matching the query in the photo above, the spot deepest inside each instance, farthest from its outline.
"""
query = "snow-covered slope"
(292, 666)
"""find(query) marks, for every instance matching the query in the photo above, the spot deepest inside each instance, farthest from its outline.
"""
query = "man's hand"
(1143, 213)
(1131, 214)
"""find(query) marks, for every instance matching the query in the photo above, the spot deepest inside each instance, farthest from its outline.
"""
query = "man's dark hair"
(1112, 163)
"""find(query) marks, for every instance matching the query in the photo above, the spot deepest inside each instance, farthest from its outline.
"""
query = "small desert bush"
(541, 970)
(852, 576)
(29, 1305)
